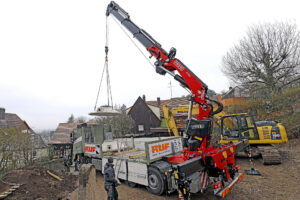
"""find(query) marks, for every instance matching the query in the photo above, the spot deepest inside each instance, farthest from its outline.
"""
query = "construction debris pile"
(36, 183)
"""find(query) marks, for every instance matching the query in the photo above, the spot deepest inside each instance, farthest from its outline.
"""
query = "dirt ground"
(38, 184)
(3, 187)
(277, 181)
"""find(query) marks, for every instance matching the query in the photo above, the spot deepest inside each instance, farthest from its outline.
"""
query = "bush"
(15, 149)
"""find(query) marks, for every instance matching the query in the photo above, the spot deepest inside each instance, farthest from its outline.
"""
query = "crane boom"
(142, 36)
(165, 61)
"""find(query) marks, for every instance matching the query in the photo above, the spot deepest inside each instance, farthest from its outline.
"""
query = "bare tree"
(123, 109)
(71, 119)
(267, 57)
(121, 124)
(98, 120)
(81, 119)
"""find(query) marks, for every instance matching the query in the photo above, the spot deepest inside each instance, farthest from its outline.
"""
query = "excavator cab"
(238, 126)
(261, 135)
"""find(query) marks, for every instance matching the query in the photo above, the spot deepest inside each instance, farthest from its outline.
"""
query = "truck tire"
(156, 183)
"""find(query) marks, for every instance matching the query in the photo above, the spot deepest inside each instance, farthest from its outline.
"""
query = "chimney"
(158, 101)
(144, 97)
(2, 113)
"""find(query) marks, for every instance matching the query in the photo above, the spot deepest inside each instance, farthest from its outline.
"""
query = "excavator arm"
(170, 121)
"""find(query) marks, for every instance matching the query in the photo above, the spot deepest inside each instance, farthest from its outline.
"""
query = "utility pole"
(170, 86)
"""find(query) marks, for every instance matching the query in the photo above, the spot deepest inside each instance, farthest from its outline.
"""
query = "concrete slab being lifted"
(105, 111)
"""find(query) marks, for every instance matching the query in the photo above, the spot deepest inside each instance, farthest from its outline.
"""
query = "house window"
(140, 128)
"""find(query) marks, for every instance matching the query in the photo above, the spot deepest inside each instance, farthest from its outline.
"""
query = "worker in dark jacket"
(77, 163)
(110, 182)
(68, 162)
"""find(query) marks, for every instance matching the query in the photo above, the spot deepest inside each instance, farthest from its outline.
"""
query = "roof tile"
(171, 103)
(62, 133)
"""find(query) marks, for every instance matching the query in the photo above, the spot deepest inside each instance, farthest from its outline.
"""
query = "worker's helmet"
(110, 160)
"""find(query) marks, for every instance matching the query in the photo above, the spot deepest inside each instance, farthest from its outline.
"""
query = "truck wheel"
(155, 182)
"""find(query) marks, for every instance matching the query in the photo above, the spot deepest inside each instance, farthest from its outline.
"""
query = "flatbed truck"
(144, 161)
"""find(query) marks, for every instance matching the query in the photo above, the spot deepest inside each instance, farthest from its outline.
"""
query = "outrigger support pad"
(251, 171)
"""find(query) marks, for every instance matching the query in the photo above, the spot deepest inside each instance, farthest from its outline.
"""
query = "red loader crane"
(214, 163)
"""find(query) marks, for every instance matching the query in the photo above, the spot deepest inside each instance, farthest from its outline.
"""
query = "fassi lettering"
(90, 149)
(160, 147)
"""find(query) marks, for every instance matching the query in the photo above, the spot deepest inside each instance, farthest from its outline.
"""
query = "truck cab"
(87, 141)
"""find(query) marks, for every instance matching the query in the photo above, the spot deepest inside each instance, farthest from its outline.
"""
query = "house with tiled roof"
(13, 121)
(234, 95)
(157, 105)
(145, 117)
(170, 103)
(61, 141)
(148, 115)
(62, 133)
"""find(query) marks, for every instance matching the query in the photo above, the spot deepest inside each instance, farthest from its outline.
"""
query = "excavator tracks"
(270, 155)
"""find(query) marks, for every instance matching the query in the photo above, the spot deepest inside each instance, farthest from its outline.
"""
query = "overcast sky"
(52, 52)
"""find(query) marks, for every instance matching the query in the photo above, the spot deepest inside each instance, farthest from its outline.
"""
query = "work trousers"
(112, 193)
(77, 166)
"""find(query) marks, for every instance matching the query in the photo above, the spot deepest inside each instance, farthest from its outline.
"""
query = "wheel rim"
(153, 181)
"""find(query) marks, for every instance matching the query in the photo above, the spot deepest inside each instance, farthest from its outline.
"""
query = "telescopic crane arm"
(218, 160)
(166, 61)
